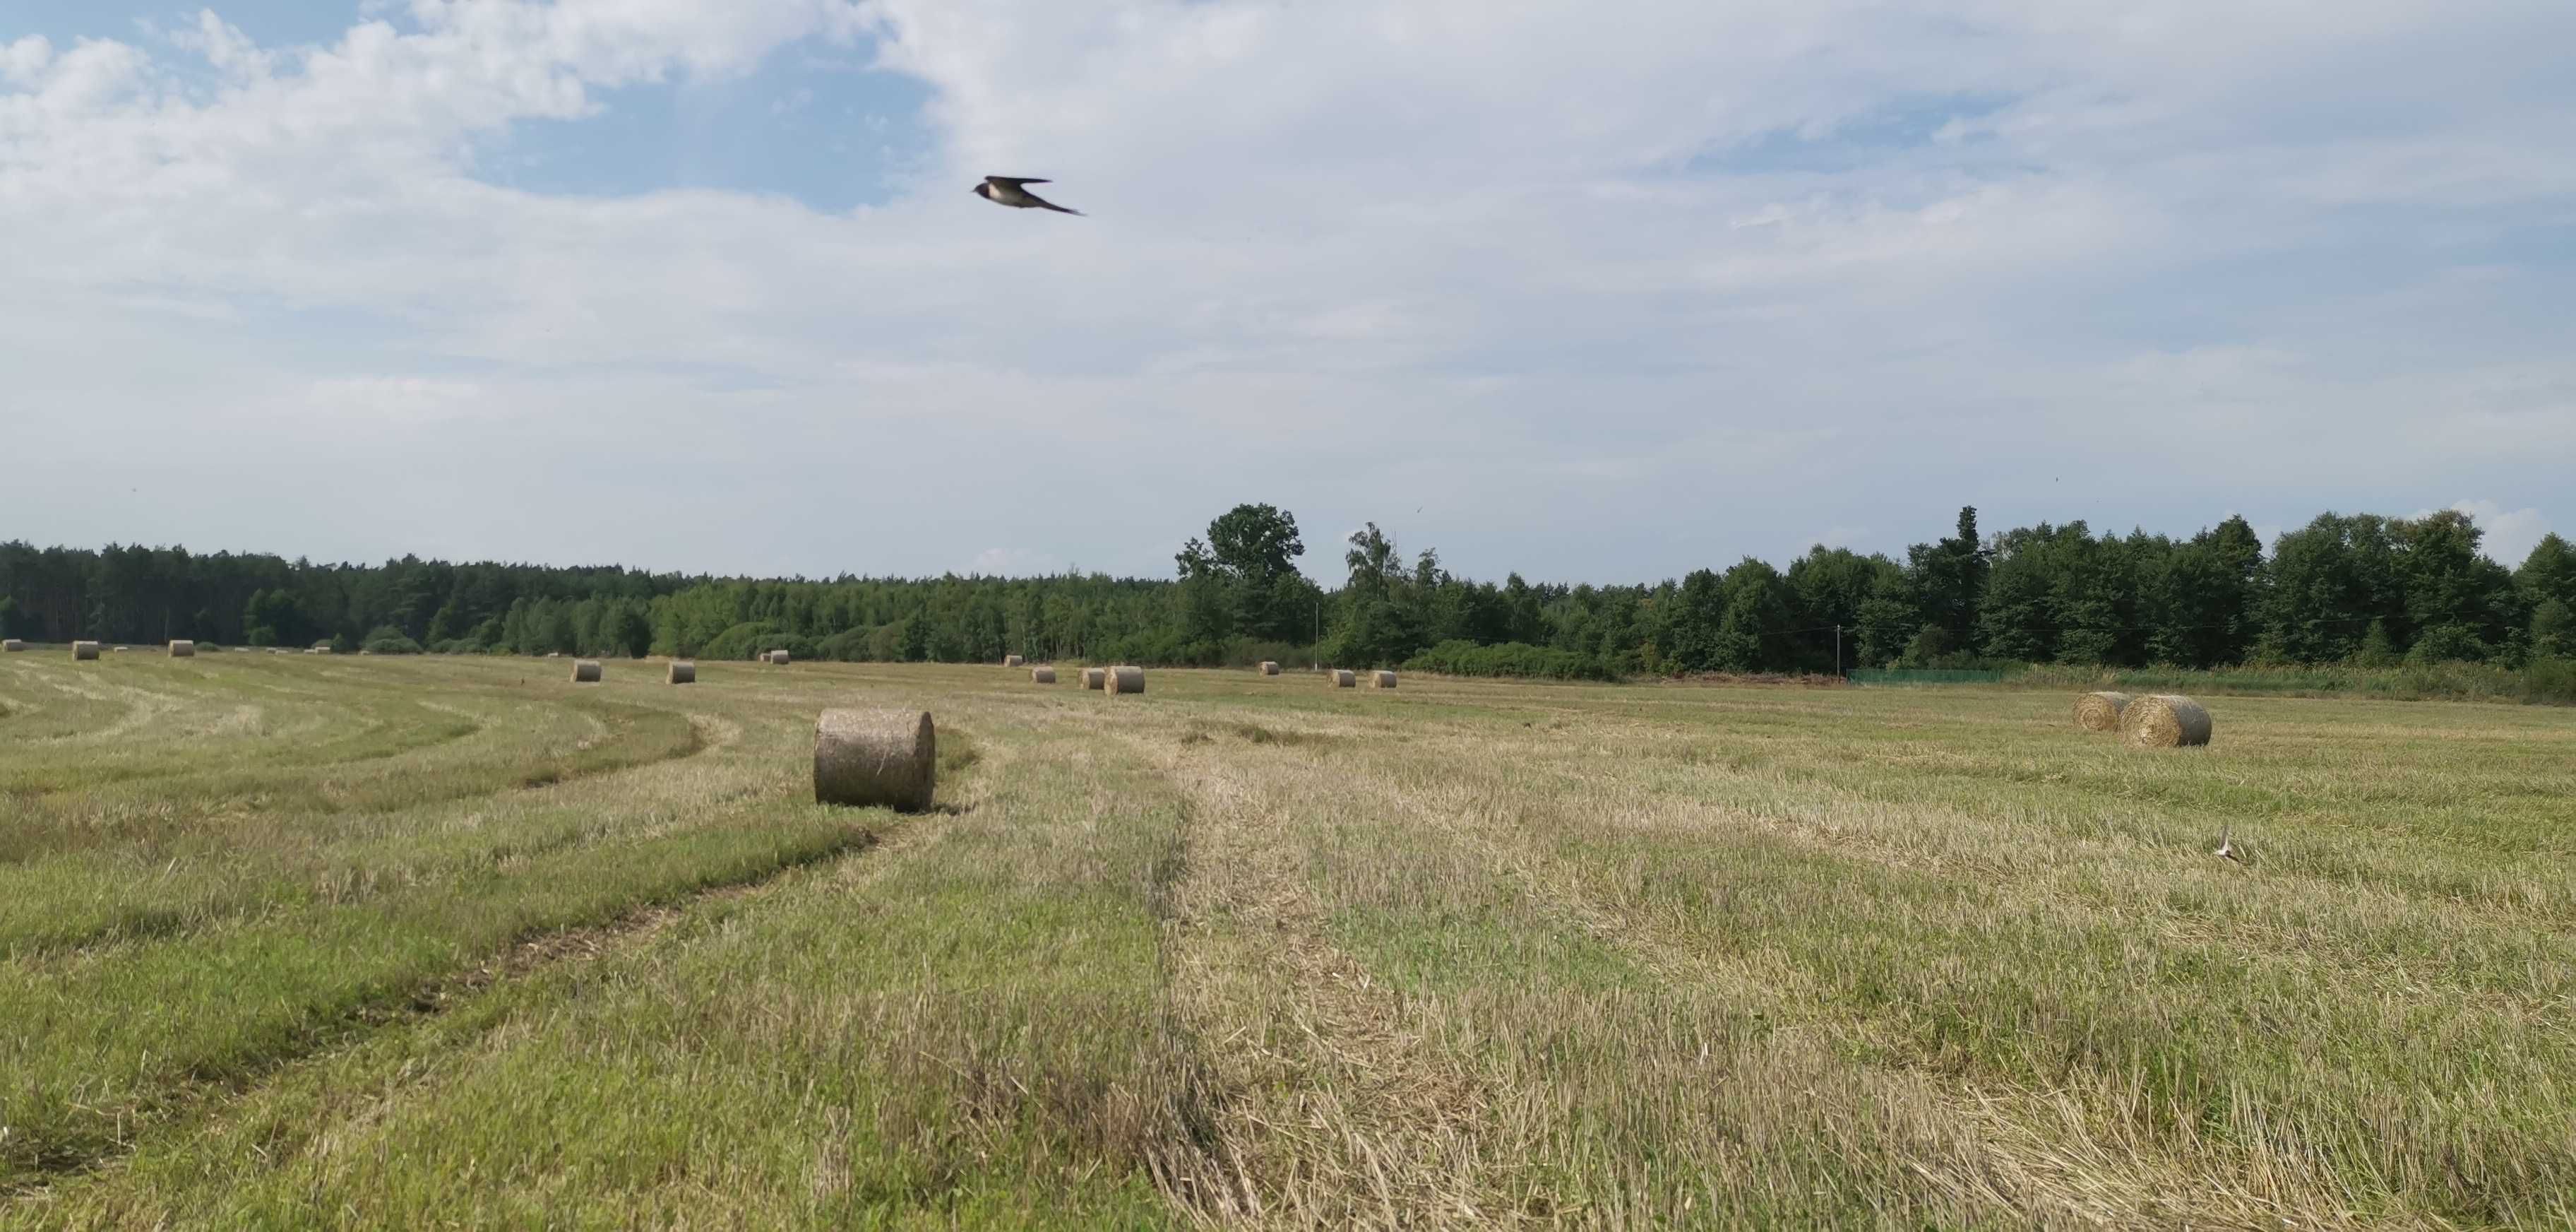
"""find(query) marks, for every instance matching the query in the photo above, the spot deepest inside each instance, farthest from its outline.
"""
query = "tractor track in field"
(197, 1098)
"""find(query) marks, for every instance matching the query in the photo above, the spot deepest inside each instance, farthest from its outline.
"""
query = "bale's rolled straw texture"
(683, 673)
(778, 657)
(1385, 680)
(1124, 680)
(11, 646)
(2100, 712)
(1269, 668)
(1345, 678)
(1092, 677)
(183, 649)
(866, 758)
(1042, 675)
(585, 671)
(1013, 661)
(84, 651)
(2164, 721)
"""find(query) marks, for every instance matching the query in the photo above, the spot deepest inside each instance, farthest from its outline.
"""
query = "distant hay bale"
(11, 645)
(1123, 680)
(2164, 721)
(1042, 675)
(1385, 680)
(585, 671)
(84, 651)
(1269, 668)
(182, 648)
(1345, 678)
(778, 657)
(554, 654)
(1092, 677)
(867, 758)
(1013, 661)
(123, 649)
(683, 672)
(2100, 712)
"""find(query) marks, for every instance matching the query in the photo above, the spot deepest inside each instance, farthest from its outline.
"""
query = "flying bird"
(2227, 847)
(1012, 191)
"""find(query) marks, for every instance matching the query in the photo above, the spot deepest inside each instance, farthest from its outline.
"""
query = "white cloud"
(2510, 533)
(1527, 271)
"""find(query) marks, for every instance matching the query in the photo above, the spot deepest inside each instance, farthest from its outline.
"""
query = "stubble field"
(296, 941)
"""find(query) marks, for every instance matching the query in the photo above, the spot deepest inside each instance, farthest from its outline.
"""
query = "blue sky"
(1602, 293)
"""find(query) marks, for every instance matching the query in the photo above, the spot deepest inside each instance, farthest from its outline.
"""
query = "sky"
(1593, 292)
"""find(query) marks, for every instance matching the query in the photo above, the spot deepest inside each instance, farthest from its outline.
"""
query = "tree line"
(2359, 588)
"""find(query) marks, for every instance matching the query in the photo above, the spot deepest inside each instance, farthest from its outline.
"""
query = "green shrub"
(1458, 657)
(388, 640)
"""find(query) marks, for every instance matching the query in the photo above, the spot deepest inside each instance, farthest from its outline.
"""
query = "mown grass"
(1258, 952)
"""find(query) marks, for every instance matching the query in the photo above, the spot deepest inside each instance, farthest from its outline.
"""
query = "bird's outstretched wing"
(1013, 181)
(1045, 204)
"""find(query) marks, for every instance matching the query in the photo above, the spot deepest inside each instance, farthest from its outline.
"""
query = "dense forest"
(2357, 589)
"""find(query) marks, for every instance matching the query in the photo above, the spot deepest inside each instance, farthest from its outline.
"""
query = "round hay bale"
(778, 657)
(585, 671)
(1385, 680)
(683, 672)
(123, 649)
(82, 652)
(182, 648)
(1092, 677)
(2100, 712)
(1123, 680)
(1345, 678)
(2164, 721)
(1013, 661)
(1269, 668)
(867, 758)
(1042, 675)
(11, 645)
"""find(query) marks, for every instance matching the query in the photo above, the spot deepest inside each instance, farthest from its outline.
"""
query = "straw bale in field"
(2164, 721)
(123, 649)
(683, 672)
(778, 657)
(1385, 680)
(1013, 661)
(182, 648)
(1345, 678)
(1092, 677)
(1124, 680)
(585, 671)
(84, 651)
(1042, 675)
(2100, 712)
(1269, 668)
(866, 758)
(11, 646)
